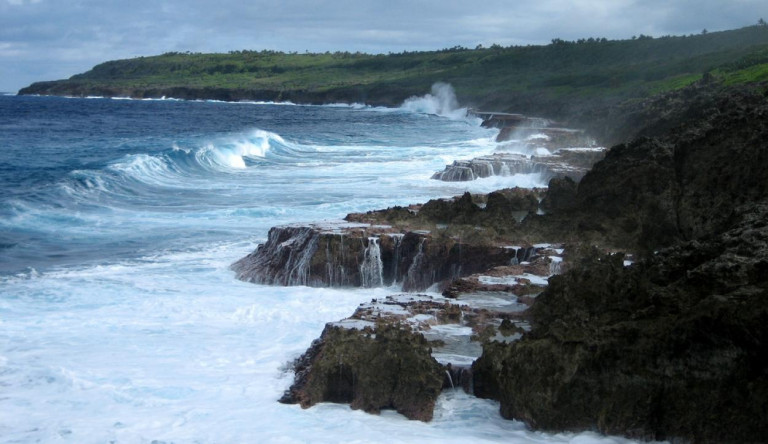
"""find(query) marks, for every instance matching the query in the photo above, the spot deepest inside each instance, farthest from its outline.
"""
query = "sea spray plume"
(441, 101)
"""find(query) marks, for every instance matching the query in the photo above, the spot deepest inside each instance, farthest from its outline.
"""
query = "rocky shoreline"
(668, 344)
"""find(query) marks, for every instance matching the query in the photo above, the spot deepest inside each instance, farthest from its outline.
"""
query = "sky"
(55, 39)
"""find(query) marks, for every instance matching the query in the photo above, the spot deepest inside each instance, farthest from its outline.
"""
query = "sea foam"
(120, 320)
(441, 101)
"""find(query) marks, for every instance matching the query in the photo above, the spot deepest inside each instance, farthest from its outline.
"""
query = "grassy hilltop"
(549, 79)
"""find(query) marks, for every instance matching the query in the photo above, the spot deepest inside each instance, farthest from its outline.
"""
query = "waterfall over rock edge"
(342, 254)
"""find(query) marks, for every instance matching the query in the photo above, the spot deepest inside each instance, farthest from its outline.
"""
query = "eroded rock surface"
(399, 352)
(436, 242)
(371, 368)
(669, 347)
(672, 347)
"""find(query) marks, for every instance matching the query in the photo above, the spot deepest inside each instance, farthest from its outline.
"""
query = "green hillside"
(550, 78)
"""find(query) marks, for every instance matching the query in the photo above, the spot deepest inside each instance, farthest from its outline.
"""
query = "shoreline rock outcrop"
(570, 163)
(530, 146)
(371, 368)
(671, 346)
(401, 351)
(437, 242)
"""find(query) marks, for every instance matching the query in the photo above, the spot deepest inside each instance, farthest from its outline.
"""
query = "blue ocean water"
(120, 320)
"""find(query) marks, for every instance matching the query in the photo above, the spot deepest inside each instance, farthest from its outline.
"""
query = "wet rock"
(385, 356)
(400, 351)
(565, 163)
(508, 278)
(499, 210)
(668, 348)
(318, 255)
(343, 254)
(461, 210)
(372, 368)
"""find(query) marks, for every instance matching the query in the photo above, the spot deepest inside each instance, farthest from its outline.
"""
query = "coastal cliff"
(667, 344)
(669, 347)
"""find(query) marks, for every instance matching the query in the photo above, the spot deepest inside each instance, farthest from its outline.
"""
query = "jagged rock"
(371, 368)
(507, 201)
(400, 351)
(632, 194)
(685, 184)
(670, 348)
(330, 254)
(462, 210)
(510, 278)
(497, 210)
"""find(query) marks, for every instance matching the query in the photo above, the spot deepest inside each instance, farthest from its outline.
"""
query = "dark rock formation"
(684, 184)
(332, 254)
(497, 210)
(658, 115)
(386, 367)
(507, 165)
(399, 352)
(561, 195)
(553, 137)
(673, 347)
(343, 254)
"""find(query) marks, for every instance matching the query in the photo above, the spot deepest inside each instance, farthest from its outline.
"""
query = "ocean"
(120, 320)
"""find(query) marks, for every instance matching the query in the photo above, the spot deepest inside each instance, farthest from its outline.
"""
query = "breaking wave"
(441, 101)
(178, 166)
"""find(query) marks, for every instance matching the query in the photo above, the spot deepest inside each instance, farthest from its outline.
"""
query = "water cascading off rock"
(342, 254)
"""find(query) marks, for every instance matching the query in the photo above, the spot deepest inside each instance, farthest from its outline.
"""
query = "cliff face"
(684, 184)
(673, 346)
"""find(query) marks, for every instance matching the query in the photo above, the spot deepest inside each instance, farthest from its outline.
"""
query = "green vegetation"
(527, 78)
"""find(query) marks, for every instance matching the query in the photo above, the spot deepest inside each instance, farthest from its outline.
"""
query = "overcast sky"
(54, 39)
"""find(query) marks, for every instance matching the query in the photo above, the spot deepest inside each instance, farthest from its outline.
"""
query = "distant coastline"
(559, 80)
